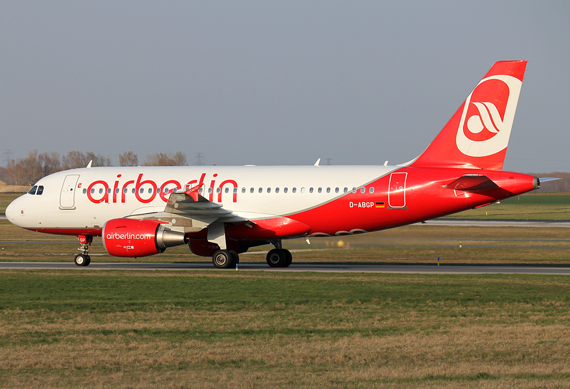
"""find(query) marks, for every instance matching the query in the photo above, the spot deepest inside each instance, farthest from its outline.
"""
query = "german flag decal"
(380, 204)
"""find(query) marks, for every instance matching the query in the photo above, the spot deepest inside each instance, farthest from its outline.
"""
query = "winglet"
(193, 193)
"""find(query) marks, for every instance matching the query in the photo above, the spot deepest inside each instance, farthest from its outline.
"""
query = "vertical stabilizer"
(478, 134)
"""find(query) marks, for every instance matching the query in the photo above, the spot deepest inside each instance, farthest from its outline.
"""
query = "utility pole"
(199, 159)
(8, 156)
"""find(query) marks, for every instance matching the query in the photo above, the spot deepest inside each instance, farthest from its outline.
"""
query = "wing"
(191, 212)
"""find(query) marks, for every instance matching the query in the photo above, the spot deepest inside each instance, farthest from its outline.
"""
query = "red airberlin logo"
(488, 116)
(146, 191)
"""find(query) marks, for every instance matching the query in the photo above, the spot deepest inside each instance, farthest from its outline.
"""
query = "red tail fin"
(478, 134)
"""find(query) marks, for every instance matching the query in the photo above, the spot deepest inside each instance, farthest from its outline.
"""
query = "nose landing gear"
(83, 259)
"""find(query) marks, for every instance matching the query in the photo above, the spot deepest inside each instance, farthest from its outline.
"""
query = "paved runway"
(334, 268)
(496, 223)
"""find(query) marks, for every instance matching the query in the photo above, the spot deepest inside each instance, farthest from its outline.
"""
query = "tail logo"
(488, 115)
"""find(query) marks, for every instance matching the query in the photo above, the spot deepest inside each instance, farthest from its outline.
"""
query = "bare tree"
(179, 159)
(74, 160)
(166, 159)
(98, 160)
(128, 158)
(49, 162)
(78, 159)
(25, 171)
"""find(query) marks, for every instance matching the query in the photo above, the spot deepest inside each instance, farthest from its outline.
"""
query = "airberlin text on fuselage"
(119, 190)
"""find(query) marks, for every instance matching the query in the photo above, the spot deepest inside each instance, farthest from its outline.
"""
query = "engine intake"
(139, 238)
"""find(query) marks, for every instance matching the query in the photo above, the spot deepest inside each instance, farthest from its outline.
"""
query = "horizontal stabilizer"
(472, 183)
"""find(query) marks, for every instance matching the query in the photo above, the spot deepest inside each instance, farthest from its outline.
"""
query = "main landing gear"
(83, 259)
(279, 258)
(225, 259)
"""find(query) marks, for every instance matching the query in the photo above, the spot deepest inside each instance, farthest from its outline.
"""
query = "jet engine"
(139, 238)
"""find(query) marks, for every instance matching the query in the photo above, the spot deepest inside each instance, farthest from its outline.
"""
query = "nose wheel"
(83, 259)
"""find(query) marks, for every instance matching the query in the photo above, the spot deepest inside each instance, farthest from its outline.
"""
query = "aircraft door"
(397, 190)
(67, 196)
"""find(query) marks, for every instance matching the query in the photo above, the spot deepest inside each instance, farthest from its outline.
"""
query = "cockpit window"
(40, 190)
(33, 190)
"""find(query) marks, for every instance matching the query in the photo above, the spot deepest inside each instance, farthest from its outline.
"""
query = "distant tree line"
(562, 185)
(26, 171)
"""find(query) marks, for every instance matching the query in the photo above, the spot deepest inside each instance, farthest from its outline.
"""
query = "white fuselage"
(87, 198)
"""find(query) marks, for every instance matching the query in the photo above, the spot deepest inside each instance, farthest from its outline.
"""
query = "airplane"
(221, 212)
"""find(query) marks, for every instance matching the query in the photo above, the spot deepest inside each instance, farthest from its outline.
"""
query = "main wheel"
(235, 256)
(223, 259)
(276, 258)
(289, 257)
(82, 260)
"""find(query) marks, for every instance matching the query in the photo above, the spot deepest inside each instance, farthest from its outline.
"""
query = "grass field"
(247, 329)
(146, 329)
(5, 199)
(540, 206)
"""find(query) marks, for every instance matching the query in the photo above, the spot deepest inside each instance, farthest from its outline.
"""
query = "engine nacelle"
(139, 238)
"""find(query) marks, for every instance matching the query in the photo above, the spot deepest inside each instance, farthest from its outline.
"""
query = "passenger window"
(353, 190)
(310, 190)
(268, 190)
(84, 191)
(251, 190)
(320, 190)
(108, 190)
(101, 190)
(149, 190)
(363, 190)
(371, 189)
(243, 190)
(133, 191)
(294, 190)
(33, 190)
(260, 190)
(285, 190)
(328, 190)
(345, 190)
(209, 190)
(40, 190)
(235, 190)
(201, 190)
(303, 189)
(125, 190)
(218, 190)
(276, 190)
(117, 190)
(336, 190)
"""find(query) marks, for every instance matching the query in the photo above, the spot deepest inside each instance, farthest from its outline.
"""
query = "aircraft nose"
(12, 211)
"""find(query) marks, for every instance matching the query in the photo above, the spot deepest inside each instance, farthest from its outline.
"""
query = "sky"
(275, 82)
